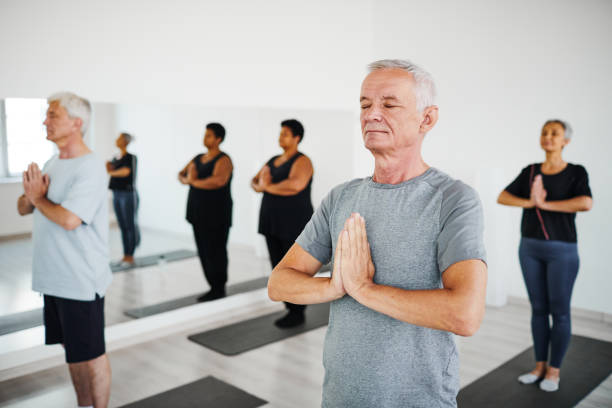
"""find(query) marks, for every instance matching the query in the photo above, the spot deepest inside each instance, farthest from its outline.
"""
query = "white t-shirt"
(73, 264)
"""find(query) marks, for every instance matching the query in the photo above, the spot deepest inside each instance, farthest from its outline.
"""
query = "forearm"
(292, 286)
(440, 309)
(24, 206)
(582, 203)
(58, 214)
(284, 188)
(209, 183)
(505, 198)
(122, 172)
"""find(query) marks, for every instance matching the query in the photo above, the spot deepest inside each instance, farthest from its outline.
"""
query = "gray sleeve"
(461, 226)
(87, 192)
(316, 238)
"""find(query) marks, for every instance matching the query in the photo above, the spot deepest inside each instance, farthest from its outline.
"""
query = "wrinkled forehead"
(385, 83)
(55, 107)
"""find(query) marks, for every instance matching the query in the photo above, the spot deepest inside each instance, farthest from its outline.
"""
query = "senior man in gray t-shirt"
(408, 259)
(70, 239)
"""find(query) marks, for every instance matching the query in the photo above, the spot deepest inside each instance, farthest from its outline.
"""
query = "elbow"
(500, 198)
(71, 222)
(467, 324)
(588, 204)
(273, 292)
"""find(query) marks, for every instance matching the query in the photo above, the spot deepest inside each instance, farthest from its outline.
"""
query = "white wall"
(502, 69)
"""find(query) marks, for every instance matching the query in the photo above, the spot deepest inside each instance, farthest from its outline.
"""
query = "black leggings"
(549, 269)
(212, 249)
(277, 248)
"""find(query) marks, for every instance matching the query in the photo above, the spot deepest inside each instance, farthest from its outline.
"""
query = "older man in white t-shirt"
(70, 260)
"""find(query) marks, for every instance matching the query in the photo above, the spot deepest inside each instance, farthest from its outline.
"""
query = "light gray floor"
(133, 288)
(287, 374)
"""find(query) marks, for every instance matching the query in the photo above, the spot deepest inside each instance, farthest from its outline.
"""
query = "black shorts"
(77, 324)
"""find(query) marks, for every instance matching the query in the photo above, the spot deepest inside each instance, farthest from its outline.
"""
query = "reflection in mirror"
(165, 138)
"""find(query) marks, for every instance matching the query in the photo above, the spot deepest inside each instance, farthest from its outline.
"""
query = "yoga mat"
(192, 299)
(150, 260)
(250, 334)
(587, 364)
(21, 321)
(207, 392)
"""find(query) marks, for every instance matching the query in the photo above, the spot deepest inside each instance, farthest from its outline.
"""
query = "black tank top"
(211, 208)
(284, 217)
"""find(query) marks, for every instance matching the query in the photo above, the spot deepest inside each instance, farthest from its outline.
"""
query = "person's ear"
(430, 118)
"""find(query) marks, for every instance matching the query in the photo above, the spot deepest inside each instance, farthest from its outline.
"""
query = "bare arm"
(24, 206)
(292, 280)
(507, 198)
(220, 176)
(58, 214)
(299, 176)
(458, 307)
(255, 185)
(581, 203)
(120, 172)
(182, 175)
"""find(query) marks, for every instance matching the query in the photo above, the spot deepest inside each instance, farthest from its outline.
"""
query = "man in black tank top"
(209, 208)
(285, 182)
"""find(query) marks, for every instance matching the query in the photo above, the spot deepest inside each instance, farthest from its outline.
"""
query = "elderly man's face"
(389, 118)
(59, 125)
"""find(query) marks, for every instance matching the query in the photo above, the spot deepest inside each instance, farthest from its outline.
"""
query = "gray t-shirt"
(73, 264)
(416, 230)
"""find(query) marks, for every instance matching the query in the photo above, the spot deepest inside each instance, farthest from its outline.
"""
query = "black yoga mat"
(207, 392)
(21, 321)
(150, 260)
(587, 364)
(192, 299)
(250, 334)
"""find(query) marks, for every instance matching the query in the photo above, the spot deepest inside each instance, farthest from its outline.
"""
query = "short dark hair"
(217, 129)
(295, 126)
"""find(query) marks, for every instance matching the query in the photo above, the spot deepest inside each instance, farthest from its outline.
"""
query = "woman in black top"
(550, 194)
(209, 208)
(286, 208)
(125, 197)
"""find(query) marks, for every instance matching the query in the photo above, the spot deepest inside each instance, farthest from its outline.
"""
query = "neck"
(73, 149)
(290, 151)
(123, 151)
(213, 151)
(394, 168)
(554, 159)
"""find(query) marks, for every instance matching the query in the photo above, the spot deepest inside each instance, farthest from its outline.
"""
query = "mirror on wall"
(165, 139)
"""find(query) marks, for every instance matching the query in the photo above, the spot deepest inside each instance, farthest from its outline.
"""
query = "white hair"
(566, 127)
(75, 106)
(424, 89)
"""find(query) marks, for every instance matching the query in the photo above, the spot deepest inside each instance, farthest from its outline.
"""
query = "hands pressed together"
(538, 193)
(35, 184)
(264, 180)
(353, 267)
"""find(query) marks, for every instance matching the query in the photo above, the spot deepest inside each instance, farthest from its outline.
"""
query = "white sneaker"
(528, 378)
(549, 385)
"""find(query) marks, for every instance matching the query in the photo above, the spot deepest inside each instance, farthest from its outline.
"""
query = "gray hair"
(75, 106)
(566, 126)
(128, 138)
(425, 88)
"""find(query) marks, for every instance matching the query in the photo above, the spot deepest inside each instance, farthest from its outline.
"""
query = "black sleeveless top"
(211, 208)
(573, 181)
(284, 217)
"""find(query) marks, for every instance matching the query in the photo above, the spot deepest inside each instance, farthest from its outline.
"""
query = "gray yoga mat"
(207, 392)
(21, 321)
(192, 299)
(587, 364)
(250, 334)
(150, 260)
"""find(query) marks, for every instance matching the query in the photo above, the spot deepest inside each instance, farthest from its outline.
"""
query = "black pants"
(277, 248)
(212, 249)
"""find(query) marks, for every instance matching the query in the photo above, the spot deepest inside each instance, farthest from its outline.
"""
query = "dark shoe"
(208, 296)
(291, 319)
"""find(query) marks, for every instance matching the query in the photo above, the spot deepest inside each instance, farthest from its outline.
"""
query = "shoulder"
(577, 169)
(347, 187)
(454, 192)
(224, 158)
